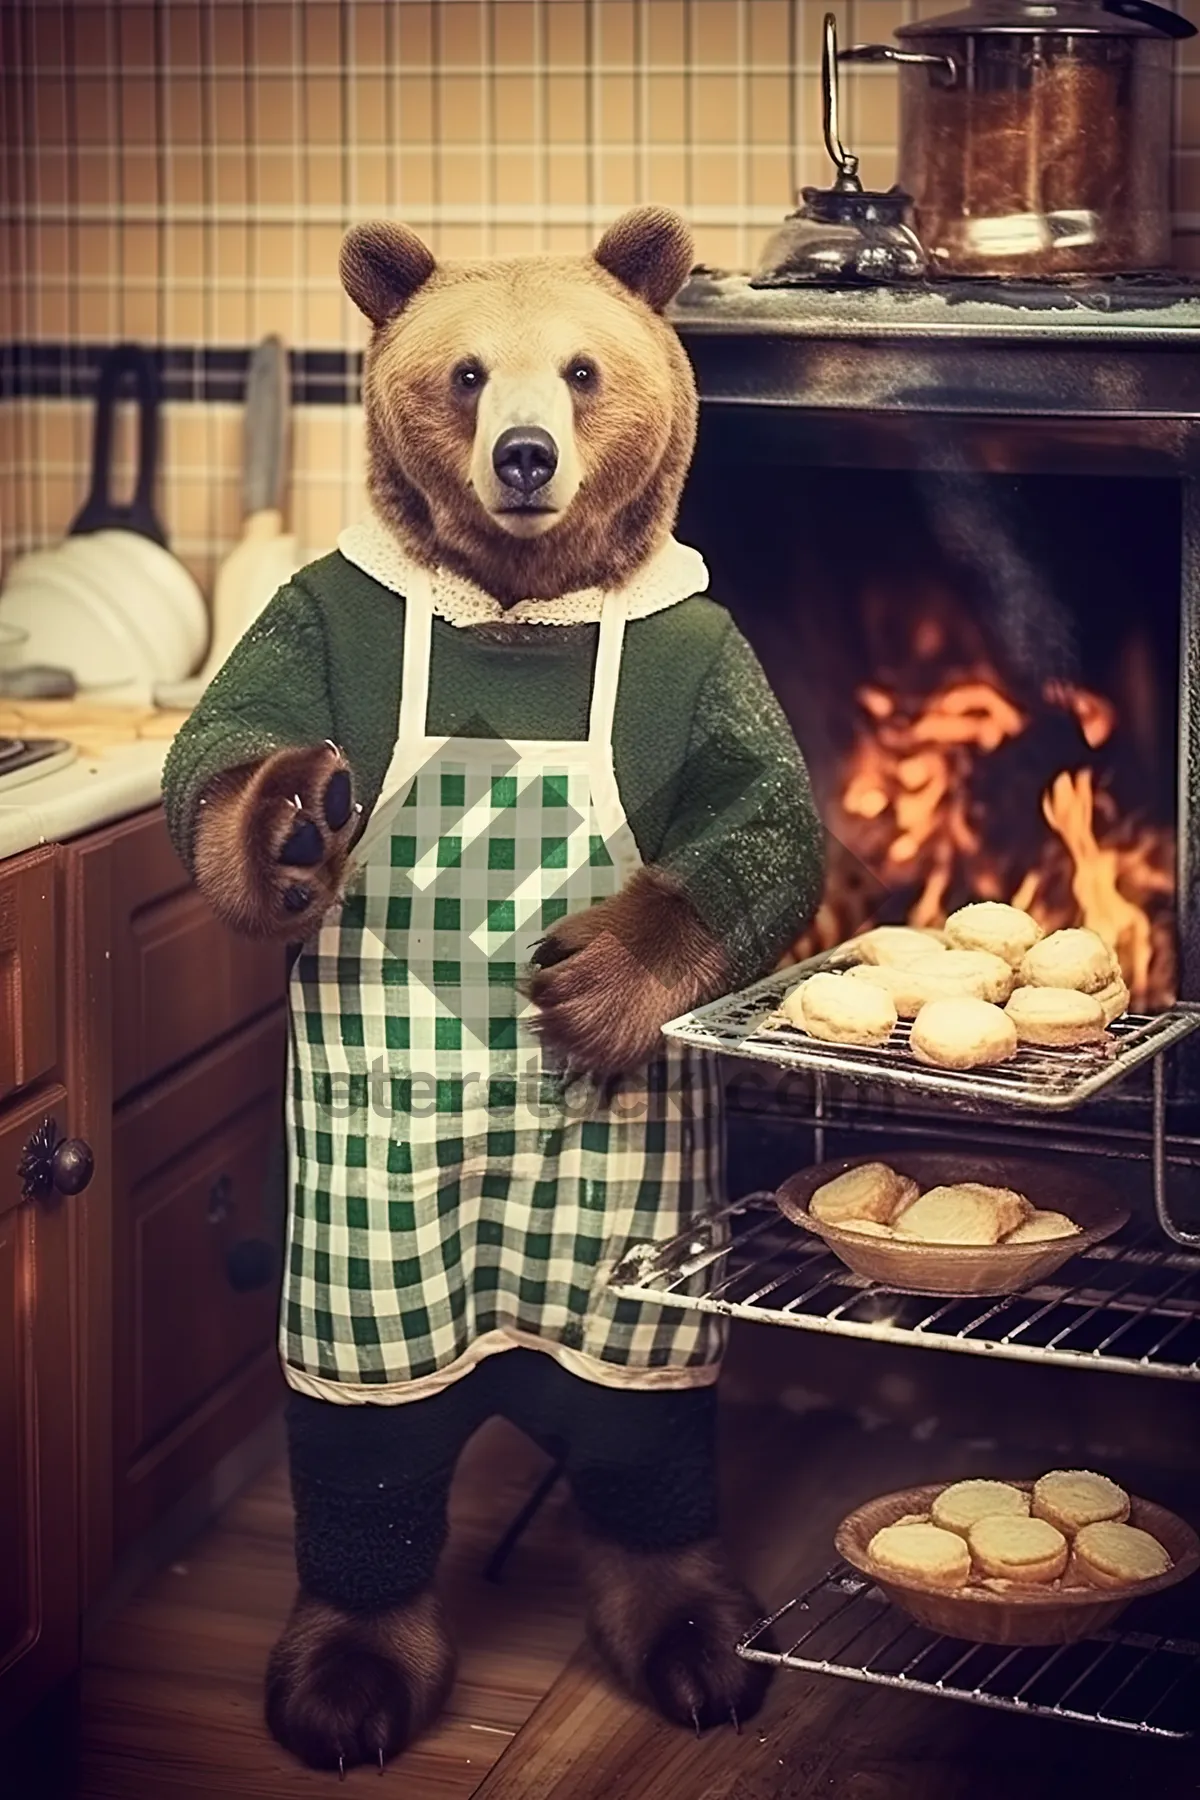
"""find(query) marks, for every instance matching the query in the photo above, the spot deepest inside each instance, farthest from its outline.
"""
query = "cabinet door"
(38, 1505)
(28, 968)
(196, 1366)
(181, 980)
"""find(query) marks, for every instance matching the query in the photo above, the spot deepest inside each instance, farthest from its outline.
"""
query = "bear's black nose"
(525, 457)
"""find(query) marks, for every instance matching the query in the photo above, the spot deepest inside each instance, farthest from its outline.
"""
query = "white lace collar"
(675, 573)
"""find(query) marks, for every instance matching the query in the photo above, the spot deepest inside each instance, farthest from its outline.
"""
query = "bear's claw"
(666, 1624)
(263, 824)
(345, 1688)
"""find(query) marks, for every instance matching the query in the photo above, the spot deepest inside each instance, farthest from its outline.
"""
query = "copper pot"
(1035, 140)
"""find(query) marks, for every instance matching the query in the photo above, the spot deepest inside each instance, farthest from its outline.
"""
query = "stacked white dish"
(111, 604)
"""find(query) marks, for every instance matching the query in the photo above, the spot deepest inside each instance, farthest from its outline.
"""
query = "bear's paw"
(348, 1688)
(607, 980)
(666, 1622)
(273, 838)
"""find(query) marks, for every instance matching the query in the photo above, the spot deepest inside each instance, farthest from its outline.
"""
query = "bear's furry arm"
(271, 694)
(745, 844)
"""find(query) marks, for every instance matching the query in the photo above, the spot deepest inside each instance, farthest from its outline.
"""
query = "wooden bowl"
(908, 1268)
(1021, 1616)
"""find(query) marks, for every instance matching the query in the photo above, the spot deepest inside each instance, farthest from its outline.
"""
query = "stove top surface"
(23, 759)
(1126, 308)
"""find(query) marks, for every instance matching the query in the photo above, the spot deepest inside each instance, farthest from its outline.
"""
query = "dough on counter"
(961, 1505)
(990, 925)
(962, 1034)
(872, 1191)
(1112, 1555)
(841, 1011)
(1072, 1498)
(1056, 1017)
(1042, 1227)
(921, 1553)
(1075, 958)
(1017, 1549)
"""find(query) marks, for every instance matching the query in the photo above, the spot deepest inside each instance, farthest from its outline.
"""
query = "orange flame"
(906, 811)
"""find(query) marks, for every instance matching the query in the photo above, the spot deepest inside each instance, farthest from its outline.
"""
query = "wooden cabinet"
(39, 1498)
(130, 1363)
(194, 1353)
(180, 979)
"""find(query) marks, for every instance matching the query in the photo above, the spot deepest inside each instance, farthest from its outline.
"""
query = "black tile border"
(48, 371)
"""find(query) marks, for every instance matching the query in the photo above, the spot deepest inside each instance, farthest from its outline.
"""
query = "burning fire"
(908, 812)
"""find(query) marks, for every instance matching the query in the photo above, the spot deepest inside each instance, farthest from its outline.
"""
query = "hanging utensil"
(846, 233)
(265, 557)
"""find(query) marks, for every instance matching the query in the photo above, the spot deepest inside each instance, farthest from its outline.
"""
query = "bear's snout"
(525, 458)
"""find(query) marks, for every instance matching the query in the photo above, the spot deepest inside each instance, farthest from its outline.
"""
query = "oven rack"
(1042, 1079)
(1127, 1681)
(1126, 1305)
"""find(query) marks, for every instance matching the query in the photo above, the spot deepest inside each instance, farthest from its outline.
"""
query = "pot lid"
(1102, 18)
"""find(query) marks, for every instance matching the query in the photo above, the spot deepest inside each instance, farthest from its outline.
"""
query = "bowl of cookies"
(1018, 1562)
(972, 994)
(950, 1222)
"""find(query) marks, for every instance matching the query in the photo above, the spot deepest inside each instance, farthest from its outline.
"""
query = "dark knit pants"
(370, 1483)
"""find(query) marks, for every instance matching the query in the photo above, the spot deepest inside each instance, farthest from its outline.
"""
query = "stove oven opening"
(983, 671)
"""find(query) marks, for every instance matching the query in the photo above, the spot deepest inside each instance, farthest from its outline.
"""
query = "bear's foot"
(346, 1688)
(666, 1622)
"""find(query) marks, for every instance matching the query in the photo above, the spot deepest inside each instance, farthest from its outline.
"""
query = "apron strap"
(414, 679)
(607, 674)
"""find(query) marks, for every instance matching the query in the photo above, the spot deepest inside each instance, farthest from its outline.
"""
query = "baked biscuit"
(1072, 1498)
(962, 1034)
(1017, 1549)
(867, 1228)
(841, 1012)
(1074, 958)
(894, 944)
(871, 1191)
(958, 1507)
(1041, 1227)
(922, 1553)
(1114, 999)
(990, 925)
(942, 975)
(1112, 1555)
(954, 1215)
(1056, 1016)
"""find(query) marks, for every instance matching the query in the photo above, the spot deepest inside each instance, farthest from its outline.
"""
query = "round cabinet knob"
(51, 1164)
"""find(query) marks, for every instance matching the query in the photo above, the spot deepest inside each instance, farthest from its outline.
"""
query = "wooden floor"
(171, 1696)
(172, 1691)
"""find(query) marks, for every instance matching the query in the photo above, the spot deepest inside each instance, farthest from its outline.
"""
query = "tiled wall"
(181, 173)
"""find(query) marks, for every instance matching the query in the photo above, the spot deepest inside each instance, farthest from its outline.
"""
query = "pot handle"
(889, 53)
(100, 512)
(1171, 24)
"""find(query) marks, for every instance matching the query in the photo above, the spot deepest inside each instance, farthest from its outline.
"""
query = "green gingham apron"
(451, 1196)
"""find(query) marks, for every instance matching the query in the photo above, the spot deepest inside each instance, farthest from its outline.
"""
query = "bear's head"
(529, 421)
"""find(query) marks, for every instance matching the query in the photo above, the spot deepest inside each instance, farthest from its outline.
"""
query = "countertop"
(100, 786)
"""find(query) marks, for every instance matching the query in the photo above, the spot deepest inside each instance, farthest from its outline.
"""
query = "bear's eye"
(581, 373)
(468, 377)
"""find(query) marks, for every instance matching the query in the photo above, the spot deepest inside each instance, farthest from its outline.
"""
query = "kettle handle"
(1142, 12)
(890, 53)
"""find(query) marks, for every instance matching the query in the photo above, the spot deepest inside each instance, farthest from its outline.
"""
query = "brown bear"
(520, 794)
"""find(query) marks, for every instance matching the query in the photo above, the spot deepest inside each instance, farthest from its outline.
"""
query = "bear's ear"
(382, 266)
(650, 252)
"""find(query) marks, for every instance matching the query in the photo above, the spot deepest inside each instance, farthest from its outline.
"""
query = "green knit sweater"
(711, 780)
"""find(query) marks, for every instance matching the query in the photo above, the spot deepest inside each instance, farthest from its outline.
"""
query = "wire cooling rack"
(1127, 1304)
(843, 1625)
(1045, 1080)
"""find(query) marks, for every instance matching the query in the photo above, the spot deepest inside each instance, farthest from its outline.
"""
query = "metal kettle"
(846, 234)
